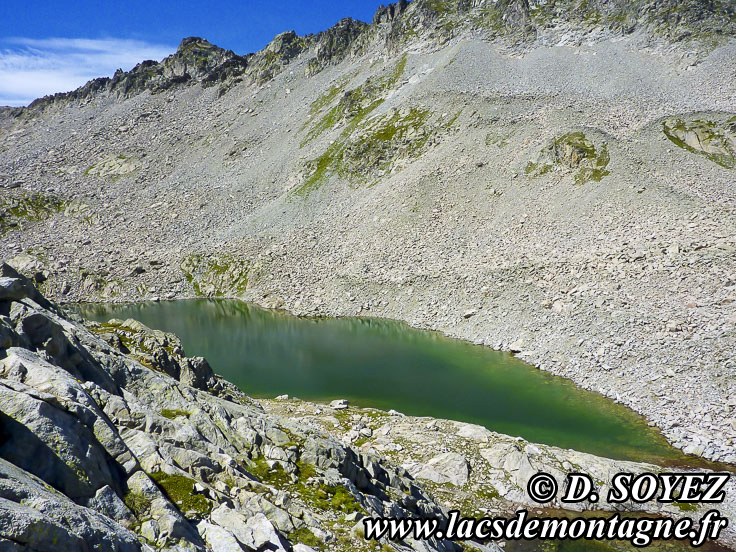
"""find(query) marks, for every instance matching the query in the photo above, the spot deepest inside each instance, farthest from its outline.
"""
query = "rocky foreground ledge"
(114, 440)
(104, 452)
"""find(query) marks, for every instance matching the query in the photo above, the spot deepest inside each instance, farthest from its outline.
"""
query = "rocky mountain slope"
(551, 178)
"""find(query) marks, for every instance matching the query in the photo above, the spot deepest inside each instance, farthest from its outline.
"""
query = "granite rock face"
(483, 473)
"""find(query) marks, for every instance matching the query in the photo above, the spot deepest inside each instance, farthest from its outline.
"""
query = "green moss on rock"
(180, 490)
(375, 147)
(307, 485)
(355, 104)
(685, 506)
(137, 503)
(327, 97)
(216, 275)
(172, 414)
(36, 207)
(337, 498)
(304, 536)
(275, 475)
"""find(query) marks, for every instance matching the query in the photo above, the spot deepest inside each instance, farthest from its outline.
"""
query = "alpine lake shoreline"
(676, 459)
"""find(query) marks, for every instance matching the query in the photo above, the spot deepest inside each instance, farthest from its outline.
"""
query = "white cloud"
(31, 68)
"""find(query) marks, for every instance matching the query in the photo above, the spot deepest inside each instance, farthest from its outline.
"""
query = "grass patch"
(137, 503)
(326, 97)
(275, 476)
(685, 506)
(498, 141)
(325, 497)
(481, 498)
(172, 414)
(337, 498)
(304, 536)
(180, 490)
(372, 148)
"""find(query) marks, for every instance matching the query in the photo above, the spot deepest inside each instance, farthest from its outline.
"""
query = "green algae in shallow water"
(386, 364)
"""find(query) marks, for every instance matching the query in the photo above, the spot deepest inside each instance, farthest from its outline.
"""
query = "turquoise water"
(386, 364)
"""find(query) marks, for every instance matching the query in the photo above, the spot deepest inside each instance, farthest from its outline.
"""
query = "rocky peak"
(386, 14)
(195, 60)
(334, 44)
(274, 57)
(527, 22)
(192, 41)
(285, 44)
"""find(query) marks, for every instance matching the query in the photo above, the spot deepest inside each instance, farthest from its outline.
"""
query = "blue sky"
(52, 46)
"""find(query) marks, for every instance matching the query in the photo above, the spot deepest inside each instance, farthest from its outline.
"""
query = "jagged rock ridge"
(705, 24)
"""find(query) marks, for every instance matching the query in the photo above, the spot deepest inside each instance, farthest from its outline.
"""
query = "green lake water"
(387, 365)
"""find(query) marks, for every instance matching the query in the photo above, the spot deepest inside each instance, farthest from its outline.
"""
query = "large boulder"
(37, 518)
(449, 467)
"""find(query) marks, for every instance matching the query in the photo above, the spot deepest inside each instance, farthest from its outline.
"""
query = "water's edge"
(677, 459)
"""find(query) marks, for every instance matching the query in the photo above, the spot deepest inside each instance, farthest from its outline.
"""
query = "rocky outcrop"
(335, 44)
(17, 210)
(626, 286)
(523, 23)
(162, 352)
(576, 152)
(714, 139)
(519, 22)
(216, 274)
(480, 472)
(128, 447)
(386, 14)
